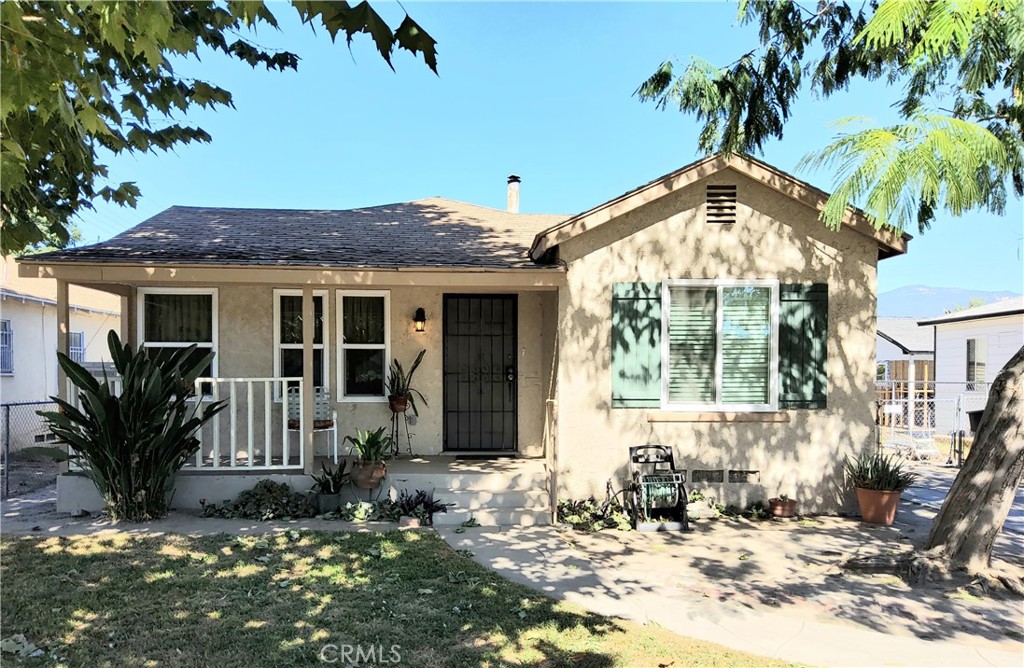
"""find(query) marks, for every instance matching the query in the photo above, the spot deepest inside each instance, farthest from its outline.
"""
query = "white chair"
(325, 418)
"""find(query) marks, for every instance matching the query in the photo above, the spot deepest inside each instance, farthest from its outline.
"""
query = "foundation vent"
(707, 475)
(721, 204)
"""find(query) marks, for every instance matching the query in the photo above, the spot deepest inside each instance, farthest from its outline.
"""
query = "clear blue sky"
(537, 89)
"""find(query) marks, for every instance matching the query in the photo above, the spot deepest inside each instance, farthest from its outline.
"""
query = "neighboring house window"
(178, 318)
(288, 352)
(76, 347)
(6, 347)
(882, 371)
(976, 355)
(719, 345)
(364, 332)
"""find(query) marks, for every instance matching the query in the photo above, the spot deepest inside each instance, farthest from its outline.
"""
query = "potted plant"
(879, 480)
(401, 394)
(327, 487)
(782, 506)
(372, 449)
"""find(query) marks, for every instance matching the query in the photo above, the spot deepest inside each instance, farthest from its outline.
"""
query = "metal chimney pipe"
(513, 193)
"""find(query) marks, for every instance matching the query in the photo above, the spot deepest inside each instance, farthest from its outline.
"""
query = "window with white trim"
(76, 347)
(720, 345)
(178, 318)
(977, 353)
(288, 349)
(364, 339)
(6, 347)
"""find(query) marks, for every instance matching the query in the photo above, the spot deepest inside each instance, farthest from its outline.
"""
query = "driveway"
(933, 483)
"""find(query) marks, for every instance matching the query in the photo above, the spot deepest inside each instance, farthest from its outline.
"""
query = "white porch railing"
(252, 433)
(236, 438)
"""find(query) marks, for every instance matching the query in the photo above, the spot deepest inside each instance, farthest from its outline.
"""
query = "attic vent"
(721, 201)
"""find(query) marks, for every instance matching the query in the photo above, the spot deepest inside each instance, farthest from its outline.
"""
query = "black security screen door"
(480, 372)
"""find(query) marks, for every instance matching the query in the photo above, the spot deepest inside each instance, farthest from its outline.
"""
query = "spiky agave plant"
(879, 472)
(135, 442)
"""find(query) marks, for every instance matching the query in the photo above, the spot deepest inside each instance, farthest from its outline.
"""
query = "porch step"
(527, 499)
(494, 517)
(491, 481)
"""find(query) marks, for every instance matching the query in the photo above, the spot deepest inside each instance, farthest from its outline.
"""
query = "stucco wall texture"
(774, 237)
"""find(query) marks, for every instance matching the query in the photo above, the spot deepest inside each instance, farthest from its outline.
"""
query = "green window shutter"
(803, 345)
(691, 349)
(746, 345)
(636, 345)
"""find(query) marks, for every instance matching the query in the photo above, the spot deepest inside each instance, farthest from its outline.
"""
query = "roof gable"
(889, 243)
(997, 309)
(905, 334)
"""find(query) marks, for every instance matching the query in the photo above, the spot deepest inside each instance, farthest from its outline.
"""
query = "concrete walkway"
(762, 588)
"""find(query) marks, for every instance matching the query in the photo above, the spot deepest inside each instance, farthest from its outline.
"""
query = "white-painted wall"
(1004, 336)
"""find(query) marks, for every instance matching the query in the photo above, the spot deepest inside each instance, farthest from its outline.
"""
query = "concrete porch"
(495, 492)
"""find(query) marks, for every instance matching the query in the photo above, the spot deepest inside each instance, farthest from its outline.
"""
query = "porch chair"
(325, 418)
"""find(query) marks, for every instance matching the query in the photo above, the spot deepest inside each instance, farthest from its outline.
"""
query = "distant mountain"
(922, 301)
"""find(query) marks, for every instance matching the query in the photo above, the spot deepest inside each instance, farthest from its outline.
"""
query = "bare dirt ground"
(29, 473)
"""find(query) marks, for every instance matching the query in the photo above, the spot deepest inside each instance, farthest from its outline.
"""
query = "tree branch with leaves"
(83, 77)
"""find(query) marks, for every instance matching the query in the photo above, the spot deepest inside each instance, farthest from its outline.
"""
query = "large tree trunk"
(980, 498)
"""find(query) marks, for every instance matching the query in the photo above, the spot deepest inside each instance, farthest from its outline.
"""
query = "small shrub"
(268, 500)
(591, 515)
(421, 505)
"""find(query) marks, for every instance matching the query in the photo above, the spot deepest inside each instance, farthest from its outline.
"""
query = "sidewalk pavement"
(640, 584)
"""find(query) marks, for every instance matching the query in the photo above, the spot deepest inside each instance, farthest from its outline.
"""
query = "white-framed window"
(288, 350)
(178, 318)
(76, 347)
(364, 344)
(720, 347)
(977, 353)
(6, 347)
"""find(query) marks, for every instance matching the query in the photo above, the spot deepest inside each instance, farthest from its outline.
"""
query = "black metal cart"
(657, 490)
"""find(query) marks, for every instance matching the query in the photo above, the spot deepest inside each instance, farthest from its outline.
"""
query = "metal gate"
(480, 372)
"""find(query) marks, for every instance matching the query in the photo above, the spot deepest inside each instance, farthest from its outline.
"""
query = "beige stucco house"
(709, 310)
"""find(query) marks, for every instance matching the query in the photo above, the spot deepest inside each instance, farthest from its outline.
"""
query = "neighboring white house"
(28, 334)
(971, 346)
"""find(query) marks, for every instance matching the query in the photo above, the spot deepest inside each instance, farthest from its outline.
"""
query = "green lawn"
(121, 600)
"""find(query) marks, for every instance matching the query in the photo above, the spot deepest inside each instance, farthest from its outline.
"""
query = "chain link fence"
(20, 429)
(925, 419)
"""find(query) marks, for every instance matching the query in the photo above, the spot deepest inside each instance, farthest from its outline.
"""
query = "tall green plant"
(399, 382)
(879, 472)
(134, 443)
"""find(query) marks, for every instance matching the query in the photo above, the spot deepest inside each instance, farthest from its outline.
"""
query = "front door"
(480, 372)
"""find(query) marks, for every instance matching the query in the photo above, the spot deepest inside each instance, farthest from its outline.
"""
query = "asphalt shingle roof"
(907, 334)
(425, 233)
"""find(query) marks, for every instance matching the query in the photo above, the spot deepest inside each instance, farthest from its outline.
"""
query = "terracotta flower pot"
(398, 404)
(877, 506)
(782, 507)
(409, 523)
(367, 475)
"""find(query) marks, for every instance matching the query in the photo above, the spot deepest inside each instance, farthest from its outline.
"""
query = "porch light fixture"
(420, 319)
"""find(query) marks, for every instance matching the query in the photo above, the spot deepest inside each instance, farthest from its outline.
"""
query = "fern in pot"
(372, 450)
(401, 393)
(879, 481)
